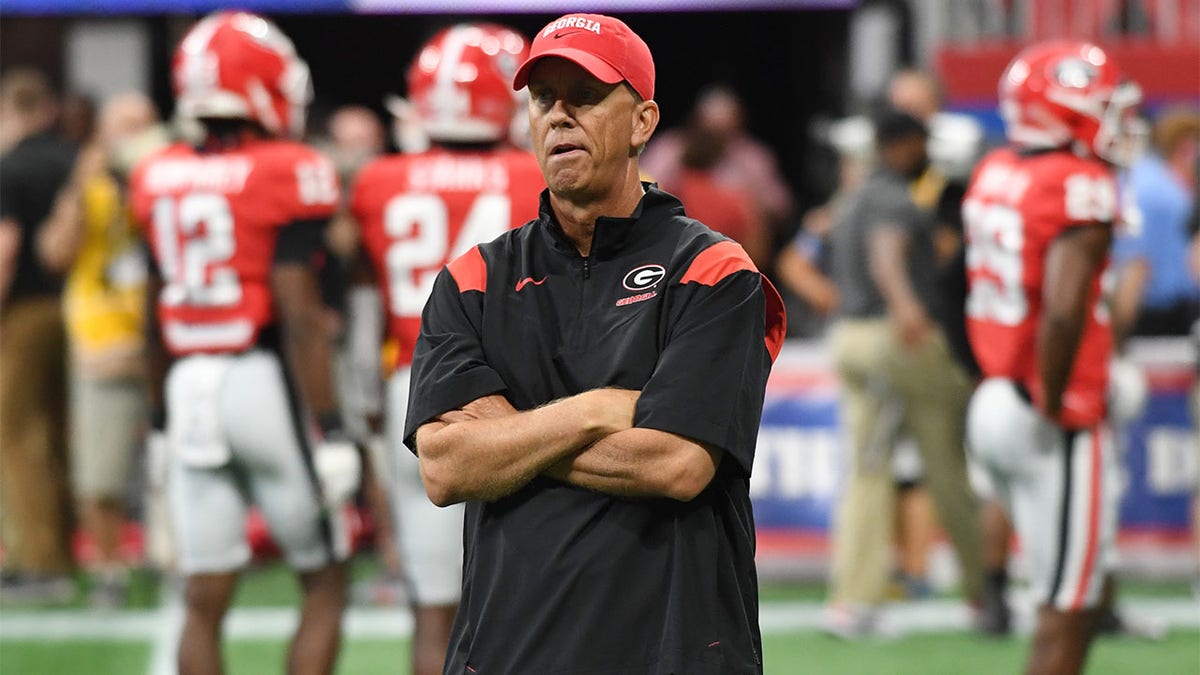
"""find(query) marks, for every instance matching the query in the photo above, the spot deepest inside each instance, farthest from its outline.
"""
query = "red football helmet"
(1061, 93)
(240, 65)
(461, 82)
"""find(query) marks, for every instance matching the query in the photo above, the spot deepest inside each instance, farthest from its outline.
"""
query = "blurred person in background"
(418, 211)
(240, 344)
(803, 264)
(77, 119)
(1155, 293)
(898, 377)
(744, 163)
(730, 210)
(355, 136)
(1039, 216)
(35, 516)
(103, 304)
(953, 147)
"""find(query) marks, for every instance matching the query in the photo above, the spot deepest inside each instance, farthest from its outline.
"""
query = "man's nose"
(561, 114)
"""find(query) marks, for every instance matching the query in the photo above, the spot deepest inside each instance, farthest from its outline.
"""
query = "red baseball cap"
(602, 45)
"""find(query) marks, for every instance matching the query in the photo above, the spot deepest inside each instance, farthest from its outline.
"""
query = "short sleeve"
(448, 369)
(889, 206)
(725, 327)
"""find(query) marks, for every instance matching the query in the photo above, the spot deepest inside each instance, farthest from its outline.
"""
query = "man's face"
(583, 130)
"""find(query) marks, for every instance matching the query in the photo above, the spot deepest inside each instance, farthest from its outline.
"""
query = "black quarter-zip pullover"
(562, 580)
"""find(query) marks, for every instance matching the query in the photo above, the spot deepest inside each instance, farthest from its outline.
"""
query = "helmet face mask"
(1069, 94)
(460, 83)
(236, 65)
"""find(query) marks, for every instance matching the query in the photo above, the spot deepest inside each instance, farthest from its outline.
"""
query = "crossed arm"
(487, 449)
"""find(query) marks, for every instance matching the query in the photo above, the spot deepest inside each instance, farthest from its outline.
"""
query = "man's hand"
(613, 409)
(912, 324)
(339, 469)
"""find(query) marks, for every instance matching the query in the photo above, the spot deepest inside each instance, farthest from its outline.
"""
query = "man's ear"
(645, 121)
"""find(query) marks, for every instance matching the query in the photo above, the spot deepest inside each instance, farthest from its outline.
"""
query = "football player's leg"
(1005, 436)
(430, 541)
(208, 513)
(265, 425)
(1072, 547)
(207, 597)
(317, 640)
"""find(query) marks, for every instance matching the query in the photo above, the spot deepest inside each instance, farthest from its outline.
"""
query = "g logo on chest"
(641, 278)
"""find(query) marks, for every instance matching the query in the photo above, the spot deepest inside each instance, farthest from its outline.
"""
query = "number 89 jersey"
(420, 211)
(213, 219)
(1014, 208)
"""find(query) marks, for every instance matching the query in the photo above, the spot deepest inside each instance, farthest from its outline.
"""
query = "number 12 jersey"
(213, 220)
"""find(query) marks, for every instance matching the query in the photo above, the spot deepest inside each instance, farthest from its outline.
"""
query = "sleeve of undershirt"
(449, 369)
(726, 325)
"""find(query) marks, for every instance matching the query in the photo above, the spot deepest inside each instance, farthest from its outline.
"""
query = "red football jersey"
(1013, 210)
(212, 219)
(418, 212)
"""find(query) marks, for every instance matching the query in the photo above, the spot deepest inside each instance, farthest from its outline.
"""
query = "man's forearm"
(158, 360)
(308, 348)
(482, 453)
(887, 248)
(1057, 342)
(641, 463)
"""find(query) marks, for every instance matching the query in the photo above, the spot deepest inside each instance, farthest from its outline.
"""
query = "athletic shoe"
(110, 589)
(1113, 624)
(29, 588)
(855, 622)
(993, 616)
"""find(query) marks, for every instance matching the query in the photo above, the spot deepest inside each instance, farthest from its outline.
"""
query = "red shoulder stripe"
(776, 318)
(469, 271)
(717, 262)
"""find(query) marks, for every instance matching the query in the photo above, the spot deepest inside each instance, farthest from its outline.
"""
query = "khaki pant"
(887, 390)
(35, 515)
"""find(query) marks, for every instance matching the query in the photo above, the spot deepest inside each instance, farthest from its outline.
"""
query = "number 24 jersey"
(1014, 209)
(213, 219)
(420, 211)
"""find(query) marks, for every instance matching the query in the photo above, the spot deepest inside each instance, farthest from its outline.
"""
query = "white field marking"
(166, 635)
(277, 623)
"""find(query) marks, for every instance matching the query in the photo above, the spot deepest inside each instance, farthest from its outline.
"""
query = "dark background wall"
(787, 66)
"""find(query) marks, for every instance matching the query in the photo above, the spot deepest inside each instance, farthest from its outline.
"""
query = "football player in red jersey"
(417, 212)
(1039, 216)
(243, 367)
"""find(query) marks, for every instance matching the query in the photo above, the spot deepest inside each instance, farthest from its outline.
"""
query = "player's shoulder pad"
(310, 170)
(1086, 188)
(382, 171)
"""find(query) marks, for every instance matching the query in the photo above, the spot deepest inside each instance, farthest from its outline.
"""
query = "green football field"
(935, 638)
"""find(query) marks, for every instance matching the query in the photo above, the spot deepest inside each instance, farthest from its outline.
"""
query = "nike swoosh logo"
(529, 280)
(564, 33)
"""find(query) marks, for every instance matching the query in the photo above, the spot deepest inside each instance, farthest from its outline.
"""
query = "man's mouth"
(563, 148)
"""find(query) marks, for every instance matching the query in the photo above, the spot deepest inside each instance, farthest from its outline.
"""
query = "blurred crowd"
(74, 468)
